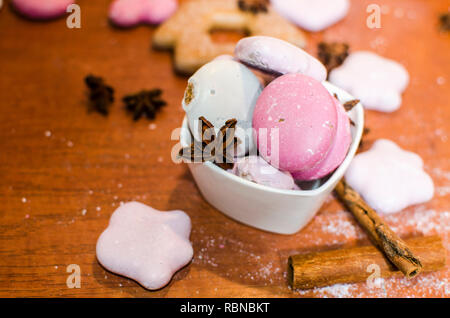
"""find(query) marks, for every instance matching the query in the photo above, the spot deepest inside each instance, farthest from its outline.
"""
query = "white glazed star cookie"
(376, 81)
(145, 244)
(389, 178)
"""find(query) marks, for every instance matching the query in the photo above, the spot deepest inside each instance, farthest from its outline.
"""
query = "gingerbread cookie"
(187, 32)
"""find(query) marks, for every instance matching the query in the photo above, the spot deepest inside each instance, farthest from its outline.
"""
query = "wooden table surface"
(63, 170)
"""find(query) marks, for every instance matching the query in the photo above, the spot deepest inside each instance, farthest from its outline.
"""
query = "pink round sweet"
(42, 9)
(276, 56)
(338, 150)
(298, 113)
(127, 13)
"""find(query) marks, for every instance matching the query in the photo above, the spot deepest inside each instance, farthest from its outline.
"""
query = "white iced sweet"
(389, 178)
(221, 90)
(145, 244)
(278, 57)
(312, 15)
(256, 169)
(226, 57)
(378, 82)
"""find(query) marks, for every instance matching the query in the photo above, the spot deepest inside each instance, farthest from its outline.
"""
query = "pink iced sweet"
(378, 82)
(127, 13)
(279, 57)
(312, 15)
(145, 244)
(256, 169)
(295, 122)
(389, 178)
(338, 150)
(42, 9)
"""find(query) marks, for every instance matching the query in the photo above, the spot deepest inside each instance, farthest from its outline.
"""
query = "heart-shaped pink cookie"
(127, 13)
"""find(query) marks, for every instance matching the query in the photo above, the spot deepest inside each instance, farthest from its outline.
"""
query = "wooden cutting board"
(63, 170)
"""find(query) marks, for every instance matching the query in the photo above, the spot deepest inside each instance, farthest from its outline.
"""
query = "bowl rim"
(358, 117)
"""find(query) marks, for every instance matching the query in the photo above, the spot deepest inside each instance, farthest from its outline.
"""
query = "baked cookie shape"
(187, 32)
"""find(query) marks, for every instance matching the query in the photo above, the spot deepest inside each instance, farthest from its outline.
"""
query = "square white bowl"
(267, 208)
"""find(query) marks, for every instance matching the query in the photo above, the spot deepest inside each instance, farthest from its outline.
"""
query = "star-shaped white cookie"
(311, 15)
(376, 81)
(145, 244)
(389, 178)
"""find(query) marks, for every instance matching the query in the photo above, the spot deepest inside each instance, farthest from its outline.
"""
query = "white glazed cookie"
(389, 178)
(377, 81)
(145, 244)
(312, 15)
(222, 90)
(278, 57)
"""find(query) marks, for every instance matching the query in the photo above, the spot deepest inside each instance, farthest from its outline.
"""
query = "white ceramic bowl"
(267, 208)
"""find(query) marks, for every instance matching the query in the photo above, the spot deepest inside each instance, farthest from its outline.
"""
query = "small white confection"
(256, 169)
(312, 15)
(145, 244)
(277, 56)
(226, 57)
(378, 82)
(389, 178)
(221, 90)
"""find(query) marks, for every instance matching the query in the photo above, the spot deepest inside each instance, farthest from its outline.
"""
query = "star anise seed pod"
(333, 54)
(350, 104)
(253, 6)
(444, 20)
(145, 103)
(101, 95)
(216, 148)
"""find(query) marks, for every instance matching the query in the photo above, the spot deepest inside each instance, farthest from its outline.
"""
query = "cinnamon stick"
(351, 265)
(395, 249)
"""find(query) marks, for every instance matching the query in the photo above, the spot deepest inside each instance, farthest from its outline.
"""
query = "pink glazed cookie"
(145, 244)
(278, 57)
(338, 150)
(42, 9)
(127, 13)
(256, 169)
(295, 122)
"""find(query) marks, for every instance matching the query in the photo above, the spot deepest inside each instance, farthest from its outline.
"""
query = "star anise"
(218, 148)
(101, 95)
(350, 104)
(333, 54)
(145, 103)
(253, 6)
(362, 142)
(444, 20)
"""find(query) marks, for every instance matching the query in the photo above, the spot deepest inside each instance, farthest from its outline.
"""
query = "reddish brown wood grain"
(93, 163)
